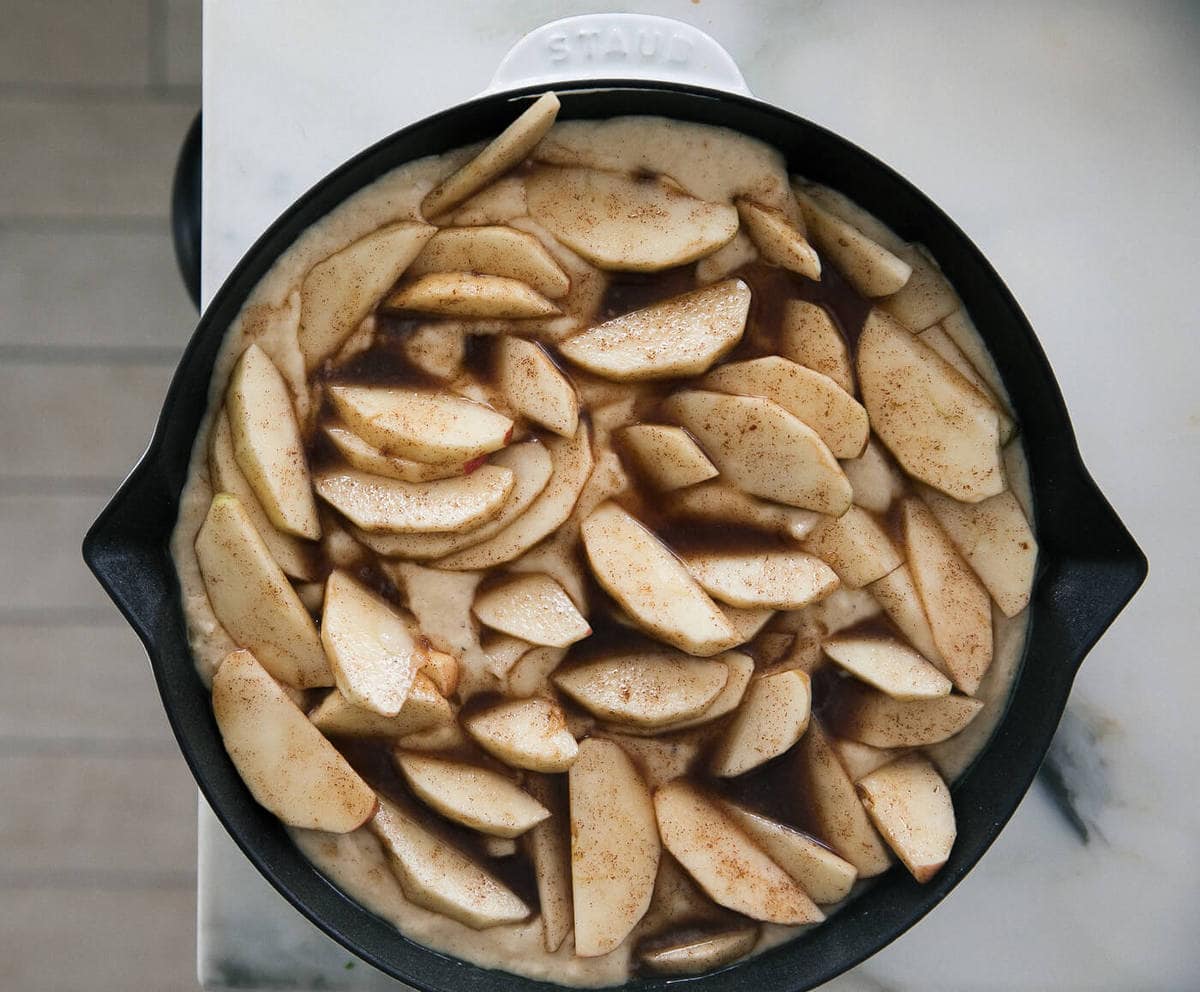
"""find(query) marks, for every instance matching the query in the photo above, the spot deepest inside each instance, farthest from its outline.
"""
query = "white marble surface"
(1063, 138)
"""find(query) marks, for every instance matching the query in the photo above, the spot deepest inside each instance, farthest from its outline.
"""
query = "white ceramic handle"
(618, 46)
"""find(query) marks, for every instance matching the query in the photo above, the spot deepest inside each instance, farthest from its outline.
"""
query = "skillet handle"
(618, 46)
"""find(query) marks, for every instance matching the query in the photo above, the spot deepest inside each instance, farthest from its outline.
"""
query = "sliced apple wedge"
(667, 456)
(502, 651)
(506, 150)
(726, 260)
(287, 765)
(726, 864)
(267, 444)
(741, 670)
(910, 805)
(782, 580)
(955, 601)
(926, 298)
(941, 342)
(877, 719)
(366, 457)
(338, 293)
(627, 224)
(530, 671)
(837, 417)
(809, 336)
(868, 267)
(378, 504)
(467, 294)
(696, 955)
(897, 594)
(747, 622)
(821, 873)
(719, 502)
(960, 329)
(875, 480)
(534, 608)
(777, 239)
(889, 665)
(772, 717)
(995, 539)
(437, 876)
(861, 759)
(939, 427)
(548, 845)
(498, 203)
(525, 733)
(682, 336)
(614, 846)
(443, 670)
(437, 348)
(253, 599)
(644, 690)
(652, 585)
(763, 450)
(475, 797)
(424, 709)
(856, 546)
(497, 251)
(535, 387)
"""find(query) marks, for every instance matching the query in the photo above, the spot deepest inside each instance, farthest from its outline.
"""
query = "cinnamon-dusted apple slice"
(267, 444)
(340, 291)
(437, 348)
(502, 651)
(369, 646)
(777, 239)
(443, 670)
(286, 764)
(821, 873)
(856, 546)
(499, 203)
(875, 718)
(955, 601)
(910, 805)
(772, 717)
(726, 260)
(837, 417)
(614, 846)
(524, 733)
(779, 579)
(861, 759)
(627, 224)
(535, 387)
(875, 480)
(809, 336)
(682, 336)
(494, 250)
(747, 622)
(378, 504)
(718, 501)
(644, 689)
(424, 709)
(734, 871)
(926, 297)
(897, 594)
(534, 608)
(939, 427)
(651, 584)
(941, 342)
(475, 797)
(668, 456)
(868, 267)
(763, 450)
(467, 294)
(366, 457)
(437, 876)
(695, 955)
(889, 665)
(253, 599)
(530, 671)
(741, 670)
(505, 151)
(548, 844)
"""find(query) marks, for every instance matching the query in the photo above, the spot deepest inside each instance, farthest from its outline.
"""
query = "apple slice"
(764, 450)
(504, 152)
(781, 579)
(846, 209)
(960, 329)
(287, 765)
(443, 670)
(741, 670)
(837, 417)
(747, 622)
(696, 955)
(777, 240)
(498, 203)
(535, 387)
(467, 294)
(439, 877)
(926, 298)
(897, 594)
(475, 797)
(875, 718)
(534, 608)
(721, 503)
(529, 672)
(426, 427)
(549, 848)
(875, 480)
(682, 336)
(910, 805)
(496, 251)
(939, 427)
(367, 458)
(856, 546)
(887, 664)
(338, 293)
(375, 503)
(725, 863)
(772, 717)
(941, 342)
(614, 846)
(651, 584)
(292, 555)
(253, 599)
(644, 690)
(810, 337)
(623, 223)
(502, 651)
(668, 456)
(995, 539)
(424, 709)
(267, 445)
(524, 733)
(437, 348)
(821, 873)
(868, 267)
(861, 759)
(726, 260)
(955, 601)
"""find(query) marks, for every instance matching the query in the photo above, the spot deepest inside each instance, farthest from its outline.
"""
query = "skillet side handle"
(618, 46)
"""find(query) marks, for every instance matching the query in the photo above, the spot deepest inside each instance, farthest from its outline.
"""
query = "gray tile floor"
(97, 815)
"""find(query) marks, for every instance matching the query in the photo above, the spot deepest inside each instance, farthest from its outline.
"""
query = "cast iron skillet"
(1089, 569)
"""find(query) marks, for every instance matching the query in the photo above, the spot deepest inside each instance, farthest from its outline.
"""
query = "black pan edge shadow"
(1089, 569)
